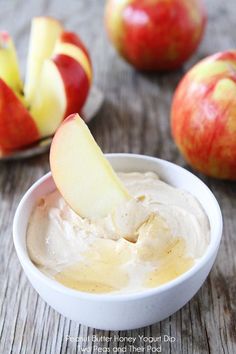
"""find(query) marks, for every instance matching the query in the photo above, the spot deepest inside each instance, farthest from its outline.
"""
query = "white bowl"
(123, 311)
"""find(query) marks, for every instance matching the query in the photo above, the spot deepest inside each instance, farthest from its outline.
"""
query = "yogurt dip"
(106, 255)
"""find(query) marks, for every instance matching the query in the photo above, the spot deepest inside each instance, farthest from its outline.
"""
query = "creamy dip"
(106, 255)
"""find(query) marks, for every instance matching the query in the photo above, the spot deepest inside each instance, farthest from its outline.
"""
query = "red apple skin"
(17, 128)
(73, 38)
(203, 116)
(75, 80)
(155, 35)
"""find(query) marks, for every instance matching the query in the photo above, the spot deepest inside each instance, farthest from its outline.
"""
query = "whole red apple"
(155, 34)
(203, 116)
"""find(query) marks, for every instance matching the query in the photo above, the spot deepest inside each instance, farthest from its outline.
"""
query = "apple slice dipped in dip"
(87, 181)
(82, 174)
(103, 231)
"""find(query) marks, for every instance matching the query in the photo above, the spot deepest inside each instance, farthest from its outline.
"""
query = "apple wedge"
(58, 79)
(9, 67)
(49, 104)
(70, 44)
(73, 38)
(62, 89)
(17, 128)
(82, 174)
(43, 36)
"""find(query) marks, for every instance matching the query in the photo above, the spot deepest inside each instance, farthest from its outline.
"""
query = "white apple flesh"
(44, 33)
(49, 104)
(9, 68)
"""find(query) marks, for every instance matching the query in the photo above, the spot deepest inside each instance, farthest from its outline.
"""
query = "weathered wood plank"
(134, 118)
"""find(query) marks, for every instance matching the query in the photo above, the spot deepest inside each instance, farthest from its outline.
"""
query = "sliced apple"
(58, 78)
(9, 67)
(82, 174)
(73, 38)
(62, 89)
(49, 105)
(70, 44)
(43, 36)
(17, 128)
(76, 82)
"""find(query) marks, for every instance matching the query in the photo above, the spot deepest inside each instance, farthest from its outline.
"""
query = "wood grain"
(134, 118)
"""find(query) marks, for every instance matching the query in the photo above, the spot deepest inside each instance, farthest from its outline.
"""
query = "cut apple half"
(81, 172)
(44, 33)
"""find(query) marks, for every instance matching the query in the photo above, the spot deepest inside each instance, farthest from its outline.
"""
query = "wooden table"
(134, 118)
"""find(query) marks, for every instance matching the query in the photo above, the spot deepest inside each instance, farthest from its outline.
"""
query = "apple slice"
(9, 68)
(62, 90)
(73, 38)
(70, 44)
(44, 33)
(17, 128)
(49, 105)
(82, 174)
